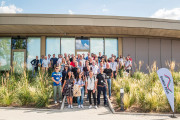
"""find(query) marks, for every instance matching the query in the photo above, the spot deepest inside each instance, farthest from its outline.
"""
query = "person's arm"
(95, 86)
(111, 73)
(116, 69)
(55, 80)
(86, 86)
(61, 78)
(63, 85)
(32, 62)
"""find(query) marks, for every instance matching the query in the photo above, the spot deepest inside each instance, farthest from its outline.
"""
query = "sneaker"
(105, 105)
(96, 107)
(71, 106)
(82, 106)
(60, 101)
(79, 106)
(90, 106)
(55, 102)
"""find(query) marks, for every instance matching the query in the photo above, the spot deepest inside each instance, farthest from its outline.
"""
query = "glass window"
(82, 44)
(18, 62)
(68, 45)
(5, 53)
(111, 47)
(97, 45)
(33, 50)
(53, 46)
(18, 43)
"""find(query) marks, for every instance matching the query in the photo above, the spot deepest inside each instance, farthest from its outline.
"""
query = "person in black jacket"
(34, 64)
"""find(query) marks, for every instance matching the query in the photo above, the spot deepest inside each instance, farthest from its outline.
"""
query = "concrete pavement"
(102, 113)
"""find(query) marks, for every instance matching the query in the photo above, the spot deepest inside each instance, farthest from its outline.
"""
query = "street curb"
(110, 106)
(133, 113)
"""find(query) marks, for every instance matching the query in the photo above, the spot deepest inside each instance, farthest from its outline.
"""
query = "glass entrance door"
(18, 60)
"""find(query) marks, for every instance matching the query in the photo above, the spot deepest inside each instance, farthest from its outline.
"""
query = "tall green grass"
(24, 90)
(146, 92)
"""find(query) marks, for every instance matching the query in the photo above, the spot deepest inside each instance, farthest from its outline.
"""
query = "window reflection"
(33, 49)
(96, 45)
(53, 46)
(111, 46)
(68, 45)
(5, 53)
(18, 43)
(82, 44)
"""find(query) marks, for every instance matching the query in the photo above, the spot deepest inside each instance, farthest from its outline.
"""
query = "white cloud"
(105, 9)
(70, 12)
(9, 9)
(167, 14)
(80, 45)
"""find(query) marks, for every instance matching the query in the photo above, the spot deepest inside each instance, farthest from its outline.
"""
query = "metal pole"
(121, 98)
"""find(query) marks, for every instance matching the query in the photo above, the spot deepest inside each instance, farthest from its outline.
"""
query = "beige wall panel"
(165, 51)
(154, 52)
(176, 53)
(142, 53)
(129, 48)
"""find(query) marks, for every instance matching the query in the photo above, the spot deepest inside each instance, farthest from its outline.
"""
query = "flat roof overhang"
(38, 24)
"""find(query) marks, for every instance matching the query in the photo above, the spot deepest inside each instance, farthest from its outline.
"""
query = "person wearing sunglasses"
(56, 78)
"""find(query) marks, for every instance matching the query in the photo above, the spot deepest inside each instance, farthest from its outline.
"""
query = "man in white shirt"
(49, 60)
(82, 60)
(100, 66)
(45, 64)
(128, 65)
(114, 67)
(59, 59)
(94, 68)
(91, 86)
(81, 66)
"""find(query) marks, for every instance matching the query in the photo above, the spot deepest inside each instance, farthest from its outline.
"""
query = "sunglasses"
(57, 68)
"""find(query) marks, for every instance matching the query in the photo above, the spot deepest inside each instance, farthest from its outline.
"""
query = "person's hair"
(67, 76)
(77, 77)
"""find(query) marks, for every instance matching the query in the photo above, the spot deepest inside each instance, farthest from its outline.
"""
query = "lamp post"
(121, 98)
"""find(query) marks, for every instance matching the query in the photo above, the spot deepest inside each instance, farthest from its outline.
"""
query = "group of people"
(89, 75)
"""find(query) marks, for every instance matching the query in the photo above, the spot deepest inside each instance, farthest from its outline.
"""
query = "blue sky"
(169, 9)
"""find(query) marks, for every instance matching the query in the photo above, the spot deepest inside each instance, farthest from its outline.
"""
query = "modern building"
(23, 36)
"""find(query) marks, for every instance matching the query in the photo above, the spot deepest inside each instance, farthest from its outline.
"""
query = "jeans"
(94, 97)
(34, 69)
(104, 94)
(57, 89)
(109, 86)
(114, 72)
(80, 101)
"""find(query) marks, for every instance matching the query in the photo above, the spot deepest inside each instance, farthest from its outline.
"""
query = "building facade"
(24, 36)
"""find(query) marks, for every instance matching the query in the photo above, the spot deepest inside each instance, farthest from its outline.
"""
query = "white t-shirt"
(83, 62)
(49, 60)
(45, 63)
(59, 60)
(113, 66)
(95, 69)
(121, 61)
(91, 83)
(128, 63)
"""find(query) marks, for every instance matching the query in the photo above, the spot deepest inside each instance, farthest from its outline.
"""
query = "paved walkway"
(102, 113)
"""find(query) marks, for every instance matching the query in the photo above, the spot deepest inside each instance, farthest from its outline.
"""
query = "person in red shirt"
(130, 58)
(73, 62)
